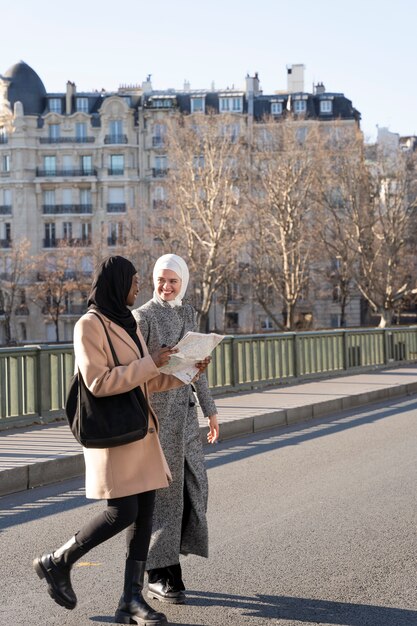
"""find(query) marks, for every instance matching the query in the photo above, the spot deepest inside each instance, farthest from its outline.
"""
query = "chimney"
(71, 89)
(147, 85)
(187, 85)
(319, 89)
(295, 78)
(252, 85)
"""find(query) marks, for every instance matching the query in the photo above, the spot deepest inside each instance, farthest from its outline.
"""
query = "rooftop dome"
(25, 86)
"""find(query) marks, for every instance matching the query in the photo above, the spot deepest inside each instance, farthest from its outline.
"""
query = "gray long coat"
(180, 440)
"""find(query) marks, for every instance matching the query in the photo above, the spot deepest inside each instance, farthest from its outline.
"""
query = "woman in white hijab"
(179, 523)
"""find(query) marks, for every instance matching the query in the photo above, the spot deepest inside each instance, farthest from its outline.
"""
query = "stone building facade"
(86, 168)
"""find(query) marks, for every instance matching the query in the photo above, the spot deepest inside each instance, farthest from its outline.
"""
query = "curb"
(69, 466)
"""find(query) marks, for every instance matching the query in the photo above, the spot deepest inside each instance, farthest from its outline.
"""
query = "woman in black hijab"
(128, 475)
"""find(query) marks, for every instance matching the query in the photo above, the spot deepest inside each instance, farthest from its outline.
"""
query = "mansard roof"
(25, 86)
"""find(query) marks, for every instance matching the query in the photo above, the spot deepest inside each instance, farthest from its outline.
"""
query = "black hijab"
(109, 291)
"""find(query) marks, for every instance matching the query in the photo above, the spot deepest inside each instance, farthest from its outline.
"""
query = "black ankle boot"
(55, 568)
(166, 585)
(132, 606)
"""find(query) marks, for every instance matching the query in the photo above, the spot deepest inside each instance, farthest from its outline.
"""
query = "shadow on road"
(307, 609)
(250, 445)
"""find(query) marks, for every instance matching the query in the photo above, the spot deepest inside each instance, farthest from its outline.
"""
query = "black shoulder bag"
(105, 421)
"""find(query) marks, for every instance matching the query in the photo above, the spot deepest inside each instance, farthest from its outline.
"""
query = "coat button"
(151, 430)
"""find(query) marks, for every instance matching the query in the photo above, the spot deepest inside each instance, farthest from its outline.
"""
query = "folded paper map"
(191, 348)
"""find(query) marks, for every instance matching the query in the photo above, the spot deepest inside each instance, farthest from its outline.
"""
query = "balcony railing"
(67, 139)
(65, 172)
(158, 142)
(5, 209)
(54, 242)
(115, 171)
(116, 207)
(116, 241)
(59, 209)
(5, 243)
(159, 204)
(159, 172)
(115, 139)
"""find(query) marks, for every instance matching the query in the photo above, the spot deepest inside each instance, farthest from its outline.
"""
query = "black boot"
(133, 609)
(55, 568)
(165, 584)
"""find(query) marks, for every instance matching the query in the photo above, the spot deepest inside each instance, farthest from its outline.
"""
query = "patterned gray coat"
(179, 523)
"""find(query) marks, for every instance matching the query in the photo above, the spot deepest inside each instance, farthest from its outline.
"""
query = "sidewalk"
(40, 455)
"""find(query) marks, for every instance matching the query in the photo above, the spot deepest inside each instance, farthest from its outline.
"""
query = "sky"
(365, 49)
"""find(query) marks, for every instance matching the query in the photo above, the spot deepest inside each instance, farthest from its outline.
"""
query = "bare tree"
(283, 218)
(12, 284)
(367, 208)
(203, 216)
(341, 192)
(62, 284)
(383, 227)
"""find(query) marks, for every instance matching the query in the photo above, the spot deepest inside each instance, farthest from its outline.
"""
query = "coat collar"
(122, 334)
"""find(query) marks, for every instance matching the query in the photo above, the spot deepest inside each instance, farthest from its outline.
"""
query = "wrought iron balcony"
(116, 241)
(158, 142)
(67, 139)
(115, 139)
(65, 172)
(115, 171)
(5, 243)
(159, 204)
(59, 209)
(5, 209)
(159, 172)
(116, 207)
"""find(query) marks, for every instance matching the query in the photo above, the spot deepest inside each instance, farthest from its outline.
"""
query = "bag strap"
(115, 359)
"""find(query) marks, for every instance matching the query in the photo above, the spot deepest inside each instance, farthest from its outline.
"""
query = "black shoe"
(165, 592)
(133, 608)
(55, 568)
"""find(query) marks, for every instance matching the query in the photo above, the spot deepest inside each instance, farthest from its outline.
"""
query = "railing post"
(295, 354)
(345, 349)
(43, 378)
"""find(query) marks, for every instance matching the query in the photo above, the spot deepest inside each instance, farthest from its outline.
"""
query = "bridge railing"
(34, 379)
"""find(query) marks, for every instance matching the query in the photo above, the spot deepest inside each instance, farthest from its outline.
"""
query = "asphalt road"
(309, 525)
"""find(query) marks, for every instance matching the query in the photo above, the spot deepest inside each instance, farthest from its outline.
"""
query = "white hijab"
(176, 264)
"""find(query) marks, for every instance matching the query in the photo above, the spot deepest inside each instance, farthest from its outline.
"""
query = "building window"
(81, 130)
(86, 231)
(49, 197)
(6, 163)
(81, 104)
(161, 166)
(231, 104)
(300, 106)
(23, 332)
(55, 105)
(232, 320)
(49, 165)
(158, 137)
(87, 164)
(267, 324)
(67, 231)
(116, 128)
(3, 135)
(116, 234)
(326, 106)
(197, 105)
(8, 232)
(54, 131)
(85, 197)
(276, 108)
(117, 162)
(50, 233)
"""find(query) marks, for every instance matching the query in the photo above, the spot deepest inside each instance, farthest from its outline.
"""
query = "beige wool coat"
(135, 467)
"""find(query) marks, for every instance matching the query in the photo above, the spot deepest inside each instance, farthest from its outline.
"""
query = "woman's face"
(168, 285)
(134, 290)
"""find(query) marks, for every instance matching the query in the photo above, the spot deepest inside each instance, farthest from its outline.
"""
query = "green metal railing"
(34, 379)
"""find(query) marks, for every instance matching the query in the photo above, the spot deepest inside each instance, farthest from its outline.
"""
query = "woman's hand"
(162, 355)
(213, 434)
(202, 365)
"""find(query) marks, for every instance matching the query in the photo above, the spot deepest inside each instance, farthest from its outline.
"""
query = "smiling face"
(134, 290)
(168, 285)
